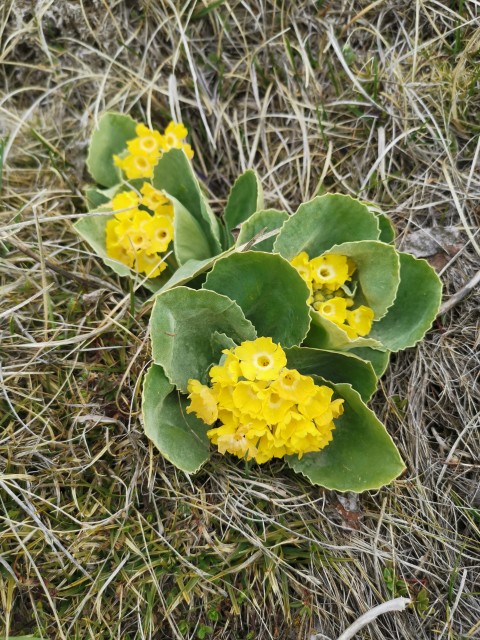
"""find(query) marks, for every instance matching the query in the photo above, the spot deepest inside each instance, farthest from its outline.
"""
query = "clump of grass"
(99, 536)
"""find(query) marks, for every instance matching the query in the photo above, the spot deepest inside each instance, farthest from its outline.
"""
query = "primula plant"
(269, 331)
(149, 216)
(231, 376)
(326, 299)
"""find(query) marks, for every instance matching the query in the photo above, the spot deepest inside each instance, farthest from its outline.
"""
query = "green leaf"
(261, 221)
(245, 198)
(221, 341)
(109, 139)
(190, 270)
(378, 359)
(92, 229)
(173, 174)
(98, 197)
(416, 305)
(334, 367)
(323, 222)
(361, 456)
(271, 293)
(378, 272)
(179, 436)
(190, 240)
(387, 230)
(182, 323)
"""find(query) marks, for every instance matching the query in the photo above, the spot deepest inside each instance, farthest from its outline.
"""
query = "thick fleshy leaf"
(387, 230)
(173, 174)
(245, 198)
(378, 359)
(221, 341)
(324, 334)
(378, 272)
(98, 197)
(323, 222)
(109, 139)
(261, 221)
(92, 229)
(191, 269)
(361, 456)
(179, 436)
(182, 323)
(191, 242)
(416, 305)
(334, 367)
(269, 290)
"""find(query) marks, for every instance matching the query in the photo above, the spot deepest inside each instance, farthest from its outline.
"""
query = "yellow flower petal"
(202, 402)
(334, 309)
(330, 270)
(361, 319)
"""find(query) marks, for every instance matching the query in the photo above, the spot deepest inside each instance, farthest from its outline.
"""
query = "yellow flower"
(228, 372)
(268, 448)
(155, 200)
(125, 205)
(232, 437)
(317, 403)
(291, 385)
(116, 249)
(334, 309)
(302, 265)
(274, 407)
(173, 139)
(202, 402)
(147, 143)
(136, 166)
(159, 230)
(246, 398)
(360, 320)
(151, 265)
(331, 271)
(133, 234)
(260, 359)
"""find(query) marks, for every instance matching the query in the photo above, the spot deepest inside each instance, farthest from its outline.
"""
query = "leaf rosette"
(125, 157)
(204, 342)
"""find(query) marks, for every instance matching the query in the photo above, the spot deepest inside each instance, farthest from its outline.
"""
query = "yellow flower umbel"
(327, 277)
(142, 153)
(262, 409)
(135, 237)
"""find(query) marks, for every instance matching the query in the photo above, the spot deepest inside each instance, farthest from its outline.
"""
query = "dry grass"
(99, 536)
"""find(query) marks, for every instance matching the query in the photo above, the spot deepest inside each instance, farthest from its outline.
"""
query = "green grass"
(99, 536)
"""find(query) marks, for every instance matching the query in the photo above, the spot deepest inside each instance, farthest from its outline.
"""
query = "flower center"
(142, 163)
(326, 272)
(327, 309)
(170, 139)
(263, 361)
(288, 380)
(148, 144)
(138, 240)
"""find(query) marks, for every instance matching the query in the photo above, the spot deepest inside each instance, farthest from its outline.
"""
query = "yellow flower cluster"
(145, 150)
(266, 410)
(326, 277)
(136, 236)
